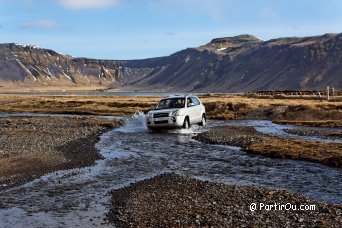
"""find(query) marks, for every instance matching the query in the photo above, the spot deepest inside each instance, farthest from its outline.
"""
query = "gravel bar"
(33, 146)
(254, 142)
(240, 136)
(170, 200)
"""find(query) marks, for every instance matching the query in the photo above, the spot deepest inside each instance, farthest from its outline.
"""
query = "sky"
(136, 29)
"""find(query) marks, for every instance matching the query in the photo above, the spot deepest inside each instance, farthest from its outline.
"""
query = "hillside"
(231, 64)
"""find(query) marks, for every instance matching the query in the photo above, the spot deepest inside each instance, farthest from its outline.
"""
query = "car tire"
(203, 121)
(186, 123)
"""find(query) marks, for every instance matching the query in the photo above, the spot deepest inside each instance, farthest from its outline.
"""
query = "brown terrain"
(170, 200)
(230, 64)
(226, 107)
(254, 142)
(229, 107)
(33, 146)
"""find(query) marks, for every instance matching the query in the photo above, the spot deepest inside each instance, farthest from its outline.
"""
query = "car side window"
(188, 101)
(195, 101)
(179, 103)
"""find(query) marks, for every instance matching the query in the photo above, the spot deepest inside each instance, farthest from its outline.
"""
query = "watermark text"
(281, 207)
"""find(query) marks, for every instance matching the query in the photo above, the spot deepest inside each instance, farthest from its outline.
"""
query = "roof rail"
(176, 95)
(181, 95)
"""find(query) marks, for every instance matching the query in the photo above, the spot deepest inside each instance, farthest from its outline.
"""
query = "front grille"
(161, 122)
(163, 114)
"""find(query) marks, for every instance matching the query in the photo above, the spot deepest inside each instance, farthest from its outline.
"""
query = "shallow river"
(80, 197)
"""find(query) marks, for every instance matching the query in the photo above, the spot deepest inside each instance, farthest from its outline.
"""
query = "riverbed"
(80, 197)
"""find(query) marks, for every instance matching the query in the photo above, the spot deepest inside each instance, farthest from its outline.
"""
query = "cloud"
(87, 4)
(41, 24)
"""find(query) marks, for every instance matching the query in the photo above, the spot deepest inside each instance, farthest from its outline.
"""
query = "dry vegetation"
(293, 111)
(92, 105)
(254, 142)
(323, 115)
(297, 149)
(297, 111)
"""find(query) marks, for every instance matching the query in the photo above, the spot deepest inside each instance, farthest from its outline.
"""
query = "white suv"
(176, 111)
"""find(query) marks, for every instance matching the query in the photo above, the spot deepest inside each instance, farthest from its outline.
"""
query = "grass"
(300, 110)
(313, 123)
(257, 143)
(297, 149)
(227, 107)
(93, 105)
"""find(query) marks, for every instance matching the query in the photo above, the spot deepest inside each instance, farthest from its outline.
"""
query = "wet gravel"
(258, 143)
(327, 134)
(33, 146)
(170, 200)
(81, 197)
(231, 135)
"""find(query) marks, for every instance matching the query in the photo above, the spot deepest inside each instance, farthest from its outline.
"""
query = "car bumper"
(166, 122)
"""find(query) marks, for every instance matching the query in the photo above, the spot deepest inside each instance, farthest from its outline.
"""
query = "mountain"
(230, 64)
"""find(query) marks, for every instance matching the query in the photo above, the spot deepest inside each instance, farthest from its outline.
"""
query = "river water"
(79, 197)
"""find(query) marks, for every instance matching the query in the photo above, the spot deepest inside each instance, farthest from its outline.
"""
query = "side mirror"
(191, 104)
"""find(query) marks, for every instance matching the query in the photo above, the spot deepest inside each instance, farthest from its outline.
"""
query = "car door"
(190, 110)
(196, 110)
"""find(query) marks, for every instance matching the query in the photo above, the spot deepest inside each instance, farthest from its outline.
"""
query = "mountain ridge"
(228, 64)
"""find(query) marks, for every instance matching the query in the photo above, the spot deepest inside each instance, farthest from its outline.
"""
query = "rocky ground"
(335, 134)
(240, 136)
(33, 146)
(170, 200)
(257, 143)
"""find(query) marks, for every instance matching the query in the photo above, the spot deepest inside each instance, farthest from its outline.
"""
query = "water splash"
(134, 123)
(193, 129)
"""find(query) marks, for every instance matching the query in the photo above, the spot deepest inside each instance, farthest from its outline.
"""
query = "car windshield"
(171, 103)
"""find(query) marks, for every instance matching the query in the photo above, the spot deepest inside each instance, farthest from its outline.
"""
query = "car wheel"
(204, 121)
(186, 123)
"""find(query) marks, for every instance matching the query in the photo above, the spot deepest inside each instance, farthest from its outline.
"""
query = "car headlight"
(175, 113)
(149, 115)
